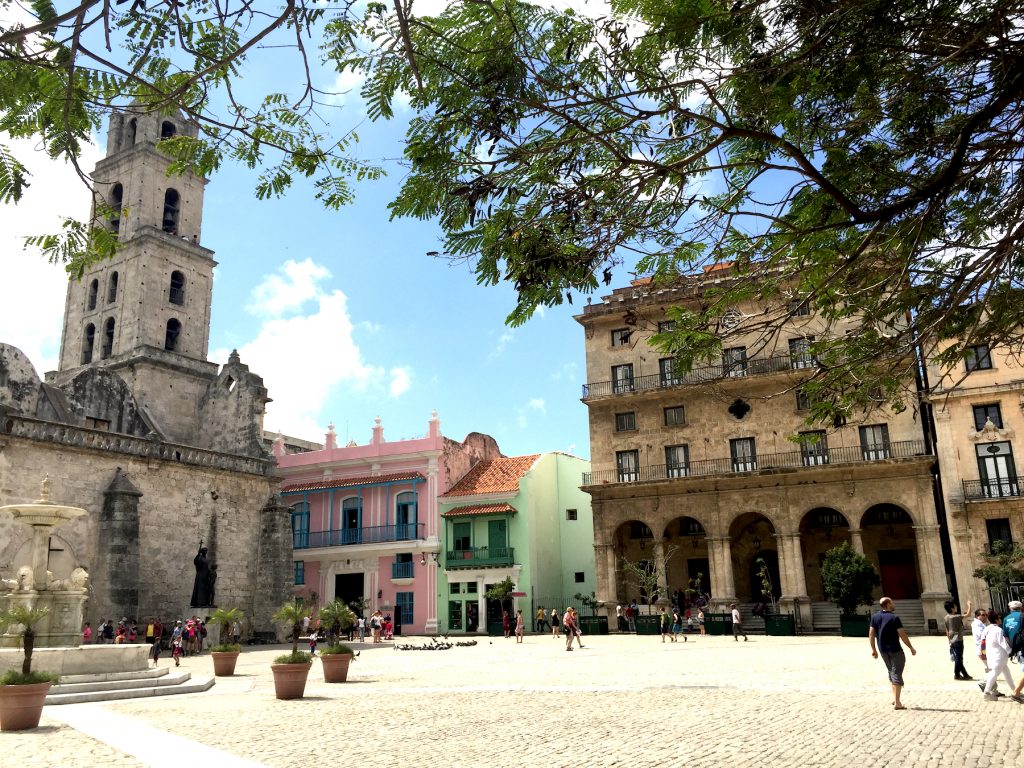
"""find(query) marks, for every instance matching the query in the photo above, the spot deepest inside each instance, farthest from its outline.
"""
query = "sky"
(342, 313)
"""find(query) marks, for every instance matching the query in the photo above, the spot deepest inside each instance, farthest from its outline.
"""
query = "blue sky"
(342, 313)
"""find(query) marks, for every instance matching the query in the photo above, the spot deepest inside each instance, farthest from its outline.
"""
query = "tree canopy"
(859, 157)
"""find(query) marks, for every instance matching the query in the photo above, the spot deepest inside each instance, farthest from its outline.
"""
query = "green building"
(519, 517)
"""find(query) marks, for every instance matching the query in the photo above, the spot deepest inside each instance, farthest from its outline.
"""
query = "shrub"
(849, 578)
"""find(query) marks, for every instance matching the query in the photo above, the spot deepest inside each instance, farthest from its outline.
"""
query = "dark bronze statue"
(202, 593)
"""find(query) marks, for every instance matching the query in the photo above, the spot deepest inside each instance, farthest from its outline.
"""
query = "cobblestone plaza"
(620, 701)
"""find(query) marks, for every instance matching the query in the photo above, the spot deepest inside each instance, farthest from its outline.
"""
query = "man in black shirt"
(887, 631)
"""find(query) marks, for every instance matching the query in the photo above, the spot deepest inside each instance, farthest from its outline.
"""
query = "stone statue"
(8, 585)
(26, 581)
(79, 578)
(211, 583)
(201, 587)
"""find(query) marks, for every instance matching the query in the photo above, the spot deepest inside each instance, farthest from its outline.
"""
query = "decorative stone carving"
(990, 433)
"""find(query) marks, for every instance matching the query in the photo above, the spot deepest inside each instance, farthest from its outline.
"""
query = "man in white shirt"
(737, 624)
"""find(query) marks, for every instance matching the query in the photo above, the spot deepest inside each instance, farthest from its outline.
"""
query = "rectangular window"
(667, 372)
(800, 353)
(734, 361)
(622, 378)
(677, 460)
(978, 358)
(813, 448)
(404, 607)
(803, 401)
(1000, 538)
(403, 567)
(620, 337)
(580, 577)
(983, 413)
(799, 308)
(675, 416)
(300, 572)
(874, 442)
(625, 422)
(744, 455)
(455, 588)
(460, 536)
(628, 465)
(471, 587)
(571, 514)
(101, 424)
(996, 469)
(666, 326)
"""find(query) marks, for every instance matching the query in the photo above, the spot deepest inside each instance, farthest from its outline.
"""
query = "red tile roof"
(494, 476)
(348, 482)
(479, 509)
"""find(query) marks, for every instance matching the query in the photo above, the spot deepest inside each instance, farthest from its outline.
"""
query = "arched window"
(405, 516)
(112, 288)
(177, 292)
(94, 289)
(116, 195)
(173, 331)
(167, 129)
(300, 525)
(171, 201)
(130, 131)
(351, 520)
(88, 342)
(108, 339)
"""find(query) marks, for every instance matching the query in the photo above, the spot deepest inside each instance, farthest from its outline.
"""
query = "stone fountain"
(36, 587)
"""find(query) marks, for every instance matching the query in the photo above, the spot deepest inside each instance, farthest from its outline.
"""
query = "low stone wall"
(86, 660)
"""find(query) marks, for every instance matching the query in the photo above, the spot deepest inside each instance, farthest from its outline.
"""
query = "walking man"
(884, 636)
(955, 634)
(737, 624)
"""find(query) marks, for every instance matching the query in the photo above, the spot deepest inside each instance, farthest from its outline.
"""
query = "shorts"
(894, 663)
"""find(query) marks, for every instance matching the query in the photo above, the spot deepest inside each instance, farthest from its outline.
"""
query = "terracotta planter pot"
(336, 666)
(22, 705)
(290, 680)
(224, 663)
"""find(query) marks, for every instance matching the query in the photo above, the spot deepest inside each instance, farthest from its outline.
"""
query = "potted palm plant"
(592, 624)
(849, 579)
(22, 694)
(291, 669)
(225, 654)
(336, 657)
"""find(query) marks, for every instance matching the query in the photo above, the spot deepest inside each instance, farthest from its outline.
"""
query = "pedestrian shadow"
(938, 709)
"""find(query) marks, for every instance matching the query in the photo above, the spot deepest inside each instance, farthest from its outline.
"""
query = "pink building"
(365, 518)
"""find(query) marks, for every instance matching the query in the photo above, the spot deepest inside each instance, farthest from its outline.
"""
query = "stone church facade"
(160, 446)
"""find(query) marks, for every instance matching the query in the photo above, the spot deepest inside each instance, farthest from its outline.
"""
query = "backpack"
(1012, 630)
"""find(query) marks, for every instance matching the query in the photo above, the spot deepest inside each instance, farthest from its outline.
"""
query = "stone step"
(105, 676)
(197, 685)
(148, 681)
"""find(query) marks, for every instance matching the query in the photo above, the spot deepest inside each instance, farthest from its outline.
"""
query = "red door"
(899, 581)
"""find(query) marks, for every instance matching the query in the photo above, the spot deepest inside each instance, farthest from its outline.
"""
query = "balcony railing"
(793, 459)
(401, 570)
(754, 366)
(474, 557)
(378, 534)
(1004, 488)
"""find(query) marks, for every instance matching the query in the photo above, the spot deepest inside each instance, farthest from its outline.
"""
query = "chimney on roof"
(330, 439)
(378, 432)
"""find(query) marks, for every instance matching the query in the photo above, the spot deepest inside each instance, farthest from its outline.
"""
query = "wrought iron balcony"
(754, 366)
(982, 490)
(402, 570)
(811, 459)
(475, 557)
(378, 534)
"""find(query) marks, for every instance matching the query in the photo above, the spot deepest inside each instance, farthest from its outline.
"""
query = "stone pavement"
(621, 701)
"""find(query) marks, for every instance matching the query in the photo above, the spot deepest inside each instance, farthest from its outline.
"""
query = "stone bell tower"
(145, 314)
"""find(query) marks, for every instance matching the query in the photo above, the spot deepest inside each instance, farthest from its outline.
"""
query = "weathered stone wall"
(178, 504)
(459, 458)
(231, 411)
(19, 383)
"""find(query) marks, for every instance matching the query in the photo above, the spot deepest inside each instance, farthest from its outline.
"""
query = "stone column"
(481, 607)
(604, 578)
(857, 540)
(798, 600)
(723, 584)
(118, 550)
(659, 570)
(929, 557)
(274, 574)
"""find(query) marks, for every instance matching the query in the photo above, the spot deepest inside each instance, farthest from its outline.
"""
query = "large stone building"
(160, 446)
(978, 408)
(703, 465)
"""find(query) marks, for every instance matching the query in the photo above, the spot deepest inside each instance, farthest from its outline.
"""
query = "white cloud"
(401, 379)
(32, 309)
(306, 357)
(506, 338)
(533, 405)
(285, 293)
(345, 89)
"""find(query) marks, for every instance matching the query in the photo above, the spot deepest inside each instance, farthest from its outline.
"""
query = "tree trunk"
(29, 640)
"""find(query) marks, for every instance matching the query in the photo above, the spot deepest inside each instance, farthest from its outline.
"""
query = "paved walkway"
(621, 701)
